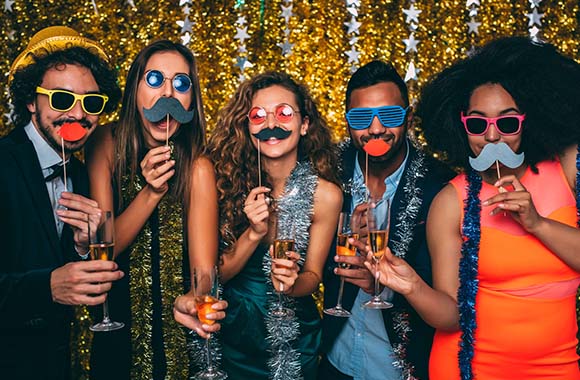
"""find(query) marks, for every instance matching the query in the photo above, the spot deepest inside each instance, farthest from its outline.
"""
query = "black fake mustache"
(167, 106)
(268, 133)
(496, 152)
(83, 122)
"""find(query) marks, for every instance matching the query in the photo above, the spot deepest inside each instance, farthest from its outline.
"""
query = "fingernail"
(484, 203)
(335, 270)
(335, 258)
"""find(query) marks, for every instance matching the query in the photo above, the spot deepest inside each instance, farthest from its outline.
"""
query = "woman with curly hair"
(503, 234)
(271, 133)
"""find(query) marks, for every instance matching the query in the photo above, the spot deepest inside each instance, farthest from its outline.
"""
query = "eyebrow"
(503, 112)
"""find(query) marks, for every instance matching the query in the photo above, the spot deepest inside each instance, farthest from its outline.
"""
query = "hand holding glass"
(284, 242)
(378, 213)
(101, 246)
(205, 291)
(346, 230)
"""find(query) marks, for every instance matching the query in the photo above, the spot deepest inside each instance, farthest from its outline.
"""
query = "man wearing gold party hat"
(60, 84)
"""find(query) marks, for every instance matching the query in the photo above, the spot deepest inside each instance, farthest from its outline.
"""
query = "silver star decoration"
(286, 12)
(473, 26)
(469, 3)
(11, 35)
(131, 3)
(242, 63)
(242, 34)
(186, 38)
(185, 25)
(353, 26)
(411, 43)
(352, 54)
(535, 18)
(353, 68)
(412, 14)
(472, 50)
(353, 11)
(473, 12)
(241, 77)
(286, 47)
(181, 2)
(287, 31)
(242, 48)
(535, 3)
(534, 30)
(186, 10)
(241, 20)
(411, 72)
(8, 5)
(351, 2)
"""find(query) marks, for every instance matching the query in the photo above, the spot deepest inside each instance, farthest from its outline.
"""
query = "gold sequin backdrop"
(317, 30)
(321, 32)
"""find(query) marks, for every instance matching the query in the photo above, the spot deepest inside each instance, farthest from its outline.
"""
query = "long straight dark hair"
(189, 140)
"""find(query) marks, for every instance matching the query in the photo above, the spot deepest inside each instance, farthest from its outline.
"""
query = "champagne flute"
(101, 247)
(283, 243)
(205, 291)
(378, 213)
(346, 229)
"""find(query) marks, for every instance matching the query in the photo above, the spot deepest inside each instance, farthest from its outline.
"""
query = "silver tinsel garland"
(295, 211)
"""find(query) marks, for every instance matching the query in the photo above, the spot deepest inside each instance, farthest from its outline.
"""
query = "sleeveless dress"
(253, 345)
(526, 302)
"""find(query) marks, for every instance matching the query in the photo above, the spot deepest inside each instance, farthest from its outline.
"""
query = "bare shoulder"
(568, 160)
(328, 194)
(445, 207)
(202, 172)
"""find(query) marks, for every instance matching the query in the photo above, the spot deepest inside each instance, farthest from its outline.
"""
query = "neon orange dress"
(525, 306)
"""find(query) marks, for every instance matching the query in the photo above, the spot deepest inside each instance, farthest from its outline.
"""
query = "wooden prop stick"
(167, 132)
(63, 164)
(259, 166)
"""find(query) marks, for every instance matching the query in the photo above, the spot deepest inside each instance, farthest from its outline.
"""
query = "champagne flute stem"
(339, 302)
(106, 318)
(280, 296)
(208, 354)
(377, 284)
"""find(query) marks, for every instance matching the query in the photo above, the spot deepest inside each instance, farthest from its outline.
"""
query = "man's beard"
(45, 131)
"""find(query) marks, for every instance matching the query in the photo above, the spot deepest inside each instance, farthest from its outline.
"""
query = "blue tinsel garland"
(468, 267)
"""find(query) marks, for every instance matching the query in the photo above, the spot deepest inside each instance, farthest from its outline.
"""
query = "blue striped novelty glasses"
(389, 116)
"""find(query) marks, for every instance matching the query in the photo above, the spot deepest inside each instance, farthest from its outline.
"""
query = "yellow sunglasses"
(63, 101)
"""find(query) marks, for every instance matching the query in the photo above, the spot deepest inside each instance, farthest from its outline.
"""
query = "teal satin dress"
(243, 333)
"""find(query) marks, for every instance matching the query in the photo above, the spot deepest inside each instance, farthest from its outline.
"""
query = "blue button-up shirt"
(362, 349)
(48, 157)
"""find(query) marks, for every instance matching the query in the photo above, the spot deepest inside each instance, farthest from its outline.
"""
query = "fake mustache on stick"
(276, 132)
(496, 152)
(167, 106)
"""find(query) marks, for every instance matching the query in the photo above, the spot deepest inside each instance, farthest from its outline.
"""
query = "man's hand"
(185, 313)
(83, 282)
(357, 274)
(80, 211)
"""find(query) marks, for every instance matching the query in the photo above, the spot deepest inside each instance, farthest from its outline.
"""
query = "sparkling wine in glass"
(205, 286)
(284, 242)
(346, 230)
(101, 247)
(378, 213)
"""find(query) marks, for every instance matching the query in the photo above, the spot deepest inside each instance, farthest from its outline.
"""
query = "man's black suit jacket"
(421, 336)
(34, 330)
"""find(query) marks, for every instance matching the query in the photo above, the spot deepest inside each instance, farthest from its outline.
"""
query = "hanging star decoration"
(412, 20)
(473, 26)
(411, 43)
(286, 14)
(131, 3)
(353, 26)
(241, 61)
(8, 5)
(535, 3)
(185, 25)
(412, 14)
(535, 18)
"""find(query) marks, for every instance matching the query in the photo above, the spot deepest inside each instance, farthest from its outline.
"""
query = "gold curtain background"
(318, 30)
